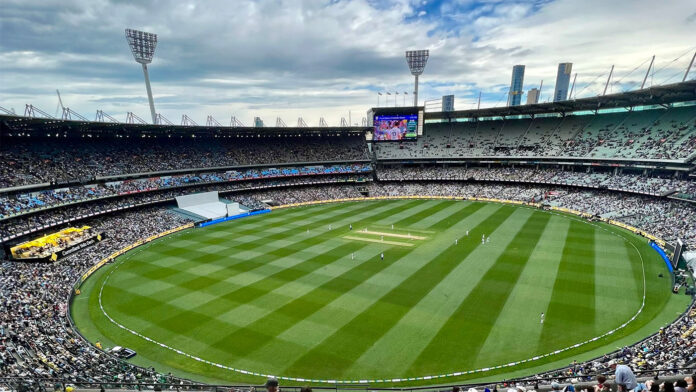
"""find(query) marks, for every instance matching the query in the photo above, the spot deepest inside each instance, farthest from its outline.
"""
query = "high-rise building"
(448, 103)
(515, 96)
(533, 96)
(560, 93)
(258, 122)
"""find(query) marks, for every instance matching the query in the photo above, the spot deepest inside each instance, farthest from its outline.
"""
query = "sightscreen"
(395, 127)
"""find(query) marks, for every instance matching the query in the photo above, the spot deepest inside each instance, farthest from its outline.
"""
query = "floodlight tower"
(143, 45)
(416, 60)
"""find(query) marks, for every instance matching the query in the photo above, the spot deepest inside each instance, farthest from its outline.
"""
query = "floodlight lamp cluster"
(142, 45)
(416, 60)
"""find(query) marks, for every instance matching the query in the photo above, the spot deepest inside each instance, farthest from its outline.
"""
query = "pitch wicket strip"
(409, 236)
(350, 237)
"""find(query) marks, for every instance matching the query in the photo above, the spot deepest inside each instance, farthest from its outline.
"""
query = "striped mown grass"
(282, 294)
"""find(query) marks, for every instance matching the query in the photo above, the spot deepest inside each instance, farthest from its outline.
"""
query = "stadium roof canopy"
(656, 95)
(39, 126)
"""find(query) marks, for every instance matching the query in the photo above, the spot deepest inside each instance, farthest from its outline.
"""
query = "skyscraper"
(448, 103)
(560, 93)
(533, 96)
(515, 96)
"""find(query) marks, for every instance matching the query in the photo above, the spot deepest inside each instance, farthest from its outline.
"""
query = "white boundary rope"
(392, 380)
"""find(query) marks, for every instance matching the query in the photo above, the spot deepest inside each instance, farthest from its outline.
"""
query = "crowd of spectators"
(36, 339)
(666, 218)
(45, 219)
(19, 202)
(628, 181)
(643, 134)
(671, 347)
(304, 194)
(57, 160)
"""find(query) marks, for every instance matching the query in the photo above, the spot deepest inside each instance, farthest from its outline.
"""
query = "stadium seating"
(664, 134)
(127, 190)
(19, 202)
(39, 341)
(59, 160)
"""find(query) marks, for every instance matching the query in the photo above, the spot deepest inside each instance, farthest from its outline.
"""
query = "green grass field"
(281, 294)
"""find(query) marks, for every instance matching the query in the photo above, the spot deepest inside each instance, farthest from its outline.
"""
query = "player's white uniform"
(395, 133)
(542, 317)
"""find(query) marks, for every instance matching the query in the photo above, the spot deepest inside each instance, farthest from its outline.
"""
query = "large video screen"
(395, 127)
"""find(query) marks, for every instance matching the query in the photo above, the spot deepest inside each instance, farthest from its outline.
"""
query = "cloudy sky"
(327, 58)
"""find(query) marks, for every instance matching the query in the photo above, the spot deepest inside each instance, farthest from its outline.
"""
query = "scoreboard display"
(396, 124)
(395, 127)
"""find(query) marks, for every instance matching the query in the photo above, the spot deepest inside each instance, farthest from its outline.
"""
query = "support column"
(149, 95)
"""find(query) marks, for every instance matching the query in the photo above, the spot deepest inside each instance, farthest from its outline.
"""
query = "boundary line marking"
(393, 380)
